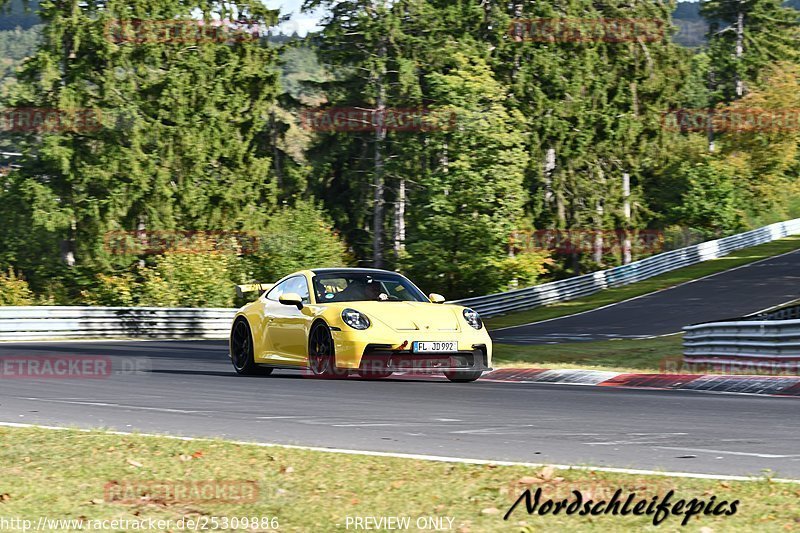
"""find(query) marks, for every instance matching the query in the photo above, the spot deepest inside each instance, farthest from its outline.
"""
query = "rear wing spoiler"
(241, 290)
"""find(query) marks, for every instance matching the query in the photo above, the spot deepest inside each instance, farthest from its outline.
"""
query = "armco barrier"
(48, 322)
(569, 289)
(772, 337)
(52, 322)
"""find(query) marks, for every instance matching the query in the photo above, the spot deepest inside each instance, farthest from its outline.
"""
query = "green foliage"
(296, 238)
(710, 202)
(201, 275)
(181, 279)
(14, 290)
(181, 137)
(473, 196)
(116, 290)
(16, 45)
(525, 134)
(757, 150)
(770, 33)
(525, 269)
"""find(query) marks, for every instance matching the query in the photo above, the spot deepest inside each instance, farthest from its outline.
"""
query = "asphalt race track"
(188, 388)
(729, 294)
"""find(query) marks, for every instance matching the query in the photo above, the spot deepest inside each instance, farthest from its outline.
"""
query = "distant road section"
(733, 293)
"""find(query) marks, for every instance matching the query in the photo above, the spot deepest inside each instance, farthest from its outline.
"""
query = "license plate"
(434, 346)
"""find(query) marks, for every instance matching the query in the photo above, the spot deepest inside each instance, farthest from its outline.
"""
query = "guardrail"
(772, 337)
(57, 322)
(579, 286)
(784, 313)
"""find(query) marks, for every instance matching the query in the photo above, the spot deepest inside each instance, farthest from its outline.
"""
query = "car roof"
(351, 270)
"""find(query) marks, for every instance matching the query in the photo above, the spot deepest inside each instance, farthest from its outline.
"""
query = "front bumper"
(382, 358)
(382, 351)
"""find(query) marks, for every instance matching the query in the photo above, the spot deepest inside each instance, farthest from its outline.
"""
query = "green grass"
(626, 355)
(62, 474)
(664, 281)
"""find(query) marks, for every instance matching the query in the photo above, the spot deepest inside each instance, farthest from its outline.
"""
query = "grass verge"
(62, 475)
(664, 281)
(625, 355)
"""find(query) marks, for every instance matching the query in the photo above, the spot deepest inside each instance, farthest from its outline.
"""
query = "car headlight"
(355, 319)
(473, 318)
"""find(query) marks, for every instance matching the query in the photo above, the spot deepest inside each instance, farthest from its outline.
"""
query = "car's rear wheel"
(463, 376)
(321, 353)
(375, 374)
(242, 351)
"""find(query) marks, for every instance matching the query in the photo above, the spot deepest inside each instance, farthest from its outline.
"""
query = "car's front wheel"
(321, 353)
(463, 376)
(242, 351)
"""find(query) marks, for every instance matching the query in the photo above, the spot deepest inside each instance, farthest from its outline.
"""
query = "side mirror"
(436, 298)
(291, 298)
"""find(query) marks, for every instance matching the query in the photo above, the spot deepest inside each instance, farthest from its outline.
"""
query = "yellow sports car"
(337, 321)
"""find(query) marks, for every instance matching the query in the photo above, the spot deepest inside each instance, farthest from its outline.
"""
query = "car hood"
(411, 316)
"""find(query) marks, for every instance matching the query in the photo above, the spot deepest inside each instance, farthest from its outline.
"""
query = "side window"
(299, 285)
(278, 289)
(296, 284)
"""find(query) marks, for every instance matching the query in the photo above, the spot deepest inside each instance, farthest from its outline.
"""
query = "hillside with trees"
(510, 134)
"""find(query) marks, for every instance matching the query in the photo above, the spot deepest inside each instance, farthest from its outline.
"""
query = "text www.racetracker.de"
(203, 523)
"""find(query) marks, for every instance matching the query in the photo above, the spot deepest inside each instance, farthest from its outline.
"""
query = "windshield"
(359, 287)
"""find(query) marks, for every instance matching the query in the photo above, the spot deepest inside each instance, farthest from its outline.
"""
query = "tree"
(356, 37)
(471, 198)
(593, 103)
(295, 238)
(14, 290)
(179, 142)
(710, 202)
(744, 37)
(378, 53)
(761, 140)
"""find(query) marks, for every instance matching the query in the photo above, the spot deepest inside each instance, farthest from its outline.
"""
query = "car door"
(270, 307)
(287, 327)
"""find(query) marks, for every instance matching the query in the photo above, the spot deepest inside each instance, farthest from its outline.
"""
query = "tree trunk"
(400, 219)
(626, 193)
(276, 154)
(598, 235)
(378, 178)
(549, 167)
(739, 52)
(710, 115)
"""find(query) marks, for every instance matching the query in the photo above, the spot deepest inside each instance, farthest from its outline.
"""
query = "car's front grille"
(379, 357)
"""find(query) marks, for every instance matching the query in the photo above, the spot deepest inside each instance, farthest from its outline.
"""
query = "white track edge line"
(422, 457)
